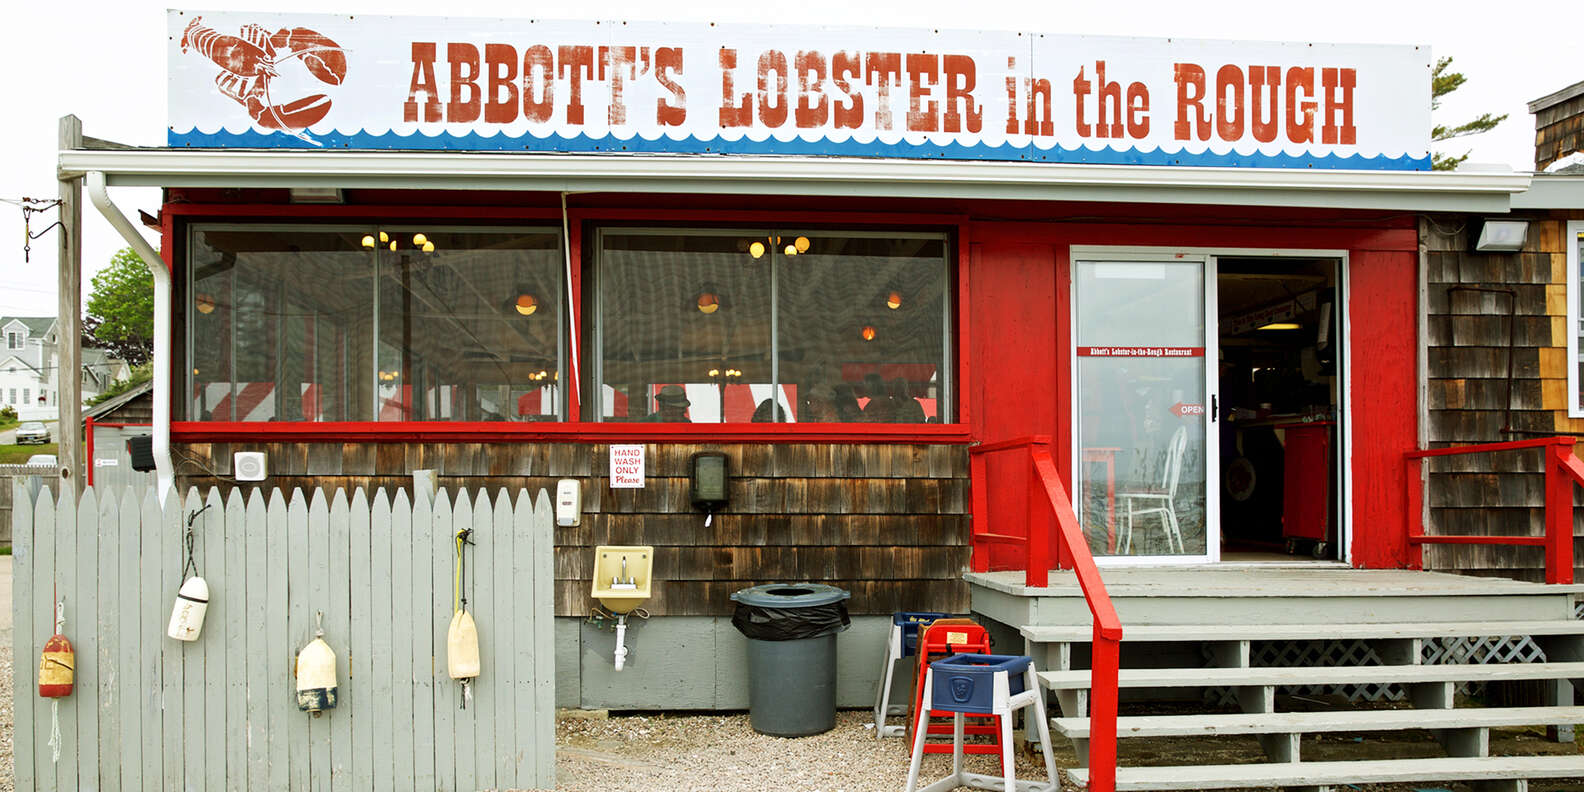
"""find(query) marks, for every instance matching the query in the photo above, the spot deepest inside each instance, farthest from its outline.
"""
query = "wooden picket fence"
(153, 713)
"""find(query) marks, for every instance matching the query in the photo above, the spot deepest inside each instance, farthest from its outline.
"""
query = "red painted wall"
(1015, 370)
(1020, 365)
(1383, 298)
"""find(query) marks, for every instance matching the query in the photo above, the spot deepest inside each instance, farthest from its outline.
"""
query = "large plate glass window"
(392, 323)
(773, 326)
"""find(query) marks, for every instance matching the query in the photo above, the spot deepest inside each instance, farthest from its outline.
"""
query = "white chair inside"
(1158, 502)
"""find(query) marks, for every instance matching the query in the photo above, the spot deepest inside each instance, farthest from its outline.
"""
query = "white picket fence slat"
(152, 713)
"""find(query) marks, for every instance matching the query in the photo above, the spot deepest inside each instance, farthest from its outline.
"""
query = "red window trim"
(638, 432)
(574, 429)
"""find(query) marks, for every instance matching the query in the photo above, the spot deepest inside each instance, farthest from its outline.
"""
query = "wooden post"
(979, 492)
(68, 326)
(1558, 514)
(1414, 514)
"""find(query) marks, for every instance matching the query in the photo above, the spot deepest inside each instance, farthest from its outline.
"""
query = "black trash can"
(791, 630)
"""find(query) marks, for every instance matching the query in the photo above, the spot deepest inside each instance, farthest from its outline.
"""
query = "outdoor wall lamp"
(1500, 236)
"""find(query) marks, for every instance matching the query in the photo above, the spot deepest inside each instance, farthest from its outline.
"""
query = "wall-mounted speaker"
(250, 466)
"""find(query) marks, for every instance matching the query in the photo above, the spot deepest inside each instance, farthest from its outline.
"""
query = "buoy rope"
(458, 597)
(191, 563)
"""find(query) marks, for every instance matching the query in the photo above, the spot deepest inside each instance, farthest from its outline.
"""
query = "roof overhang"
(812, 176)
(1552, 191)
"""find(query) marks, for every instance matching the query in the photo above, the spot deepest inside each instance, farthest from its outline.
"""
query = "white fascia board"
(1402, 190)
(1548, 191)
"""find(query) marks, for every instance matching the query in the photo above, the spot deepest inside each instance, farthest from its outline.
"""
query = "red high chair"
(943, 638)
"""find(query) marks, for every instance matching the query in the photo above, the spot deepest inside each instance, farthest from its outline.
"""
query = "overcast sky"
(105, 62)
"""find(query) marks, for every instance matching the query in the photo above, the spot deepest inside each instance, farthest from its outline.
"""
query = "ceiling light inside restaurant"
(526, 304)
(1282, 326)
(801, 243)
(868, 333)
(419, 239)
(756, 249)
(894, 300)
(205, 303)
(708, 302)
(384, 237)
(368, 241)
(791, 250)
(428, 247)
(392, 245)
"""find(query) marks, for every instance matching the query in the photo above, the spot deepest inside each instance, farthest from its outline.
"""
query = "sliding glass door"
(1145, 451)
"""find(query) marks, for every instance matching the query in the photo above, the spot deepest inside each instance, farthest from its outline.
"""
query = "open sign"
(1184, 409)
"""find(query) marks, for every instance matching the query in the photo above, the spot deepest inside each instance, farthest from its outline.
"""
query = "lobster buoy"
(462, 646)
(57, 668)
(462, 641)
(316, 676)
(192, 602)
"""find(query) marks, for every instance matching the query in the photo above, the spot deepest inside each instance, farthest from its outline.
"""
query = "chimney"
(1559, 126)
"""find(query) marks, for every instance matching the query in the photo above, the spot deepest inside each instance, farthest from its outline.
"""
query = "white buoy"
(462, 647)
(316, 676)
(187, 617)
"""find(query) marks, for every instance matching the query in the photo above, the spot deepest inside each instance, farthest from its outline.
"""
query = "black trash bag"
(790, 624)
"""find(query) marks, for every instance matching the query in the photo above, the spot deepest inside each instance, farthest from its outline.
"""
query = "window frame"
(400, 225)
(576, 224)
(595, 356)
(1575, 293)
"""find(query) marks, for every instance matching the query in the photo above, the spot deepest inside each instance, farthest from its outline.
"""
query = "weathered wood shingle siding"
(887, 522)
(1559, 131)
(1468, 396)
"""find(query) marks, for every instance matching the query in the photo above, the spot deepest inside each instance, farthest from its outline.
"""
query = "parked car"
(32, 432)
(43, 459)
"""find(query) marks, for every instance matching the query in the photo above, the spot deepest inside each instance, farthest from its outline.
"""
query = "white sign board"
(268, 80)
(626, 467)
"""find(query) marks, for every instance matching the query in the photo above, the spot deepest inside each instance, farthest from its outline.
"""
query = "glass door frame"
(1211, 447)
(1343, 455)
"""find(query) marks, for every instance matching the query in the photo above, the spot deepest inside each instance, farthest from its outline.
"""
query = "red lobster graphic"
(250, 61)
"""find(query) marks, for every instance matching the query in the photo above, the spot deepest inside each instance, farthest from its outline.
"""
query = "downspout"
(165, 473)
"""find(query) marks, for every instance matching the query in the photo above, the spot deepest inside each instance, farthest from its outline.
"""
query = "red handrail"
(1563, 471)
(1046, 491)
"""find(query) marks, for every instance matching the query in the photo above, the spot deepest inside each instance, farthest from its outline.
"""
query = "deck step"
(1388, 771)
(1081, 633)
(1315, 722)
(1347, 675)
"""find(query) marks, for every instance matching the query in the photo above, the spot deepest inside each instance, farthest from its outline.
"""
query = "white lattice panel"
(1331, 654)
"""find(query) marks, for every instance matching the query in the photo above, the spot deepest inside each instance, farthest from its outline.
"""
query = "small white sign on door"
(626, 467)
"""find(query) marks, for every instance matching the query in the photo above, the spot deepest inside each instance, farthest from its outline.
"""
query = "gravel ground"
(7, 771)
(721, 752)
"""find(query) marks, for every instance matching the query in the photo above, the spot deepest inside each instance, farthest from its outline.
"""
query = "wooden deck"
(1286, 579)
(1270, 594)
(1226, 650)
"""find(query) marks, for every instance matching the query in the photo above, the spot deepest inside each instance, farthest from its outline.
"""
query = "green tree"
(1443, 82)
(121, 309)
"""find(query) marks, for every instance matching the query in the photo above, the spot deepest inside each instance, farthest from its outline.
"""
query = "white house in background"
(30, 366)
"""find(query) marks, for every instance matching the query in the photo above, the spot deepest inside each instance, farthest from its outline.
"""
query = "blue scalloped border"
(583, 144)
